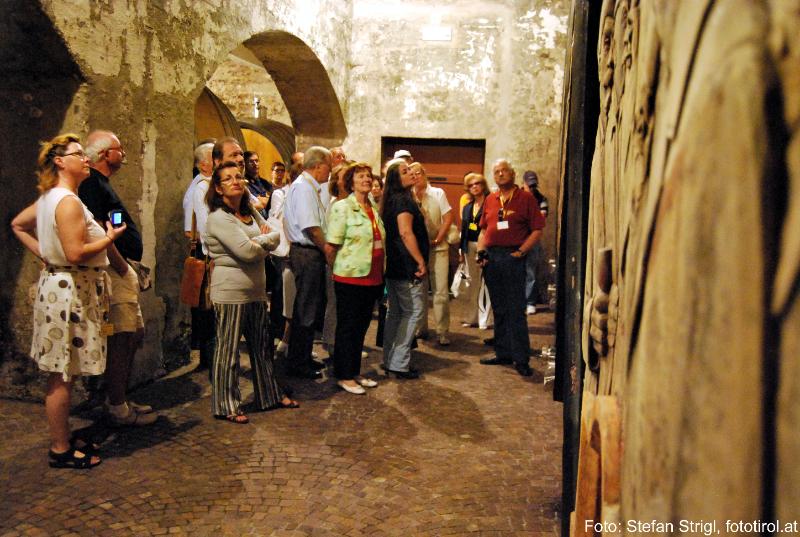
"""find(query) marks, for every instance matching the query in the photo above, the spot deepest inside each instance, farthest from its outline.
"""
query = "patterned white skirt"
(69, 312)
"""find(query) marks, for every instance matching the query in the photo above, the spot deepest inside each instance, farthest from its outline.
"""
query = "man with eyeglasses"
(511, 225)
(106, 156)
(259, 187)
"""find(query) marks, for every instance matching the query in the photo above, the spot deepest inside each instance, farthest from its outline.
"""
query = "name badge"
(377, 245)
(502, 225)
(107, 329)
(473, 226)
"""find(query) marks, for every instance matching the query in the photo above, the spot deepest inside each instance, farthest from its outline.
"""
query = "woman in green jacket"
(355, 251)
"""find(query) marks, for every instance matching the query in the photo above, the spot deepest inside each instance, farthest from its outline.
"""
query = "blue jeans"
(406, 304)
(531, 262)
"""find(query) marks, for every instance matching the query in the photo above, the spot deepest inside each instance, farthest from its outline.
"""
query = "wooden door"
(446, 161)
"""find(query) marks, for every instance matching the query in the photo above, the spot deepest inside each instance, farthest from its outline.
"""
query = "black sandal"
(84, 443)
(239, 419)
(69, 459)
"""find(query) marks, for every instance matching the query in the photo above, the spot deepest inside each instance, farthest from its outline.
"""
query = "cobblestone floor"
(467, 450)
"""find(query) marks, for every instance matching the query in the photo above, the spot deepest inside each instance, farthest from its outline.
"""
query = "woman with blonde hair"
(477, 189)
(70, 312)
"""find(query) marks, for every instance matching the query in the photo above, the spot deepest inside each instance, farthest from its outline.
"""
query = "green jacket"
(350, 226)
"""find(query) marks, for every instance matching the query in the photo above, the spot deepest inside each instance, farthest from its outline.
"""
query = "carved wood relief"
(694, 190)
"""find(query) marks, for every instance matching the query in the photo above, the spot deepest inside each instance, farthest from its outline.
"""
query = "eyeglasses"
(279, 170)
(80, 154)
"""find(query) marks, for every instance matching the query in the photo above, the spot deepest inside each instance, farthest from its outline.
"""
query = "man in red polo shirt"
(510, 226)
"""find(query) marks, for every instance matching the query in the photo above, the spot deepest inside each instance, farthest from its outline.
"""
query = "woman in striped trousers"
(238, 240)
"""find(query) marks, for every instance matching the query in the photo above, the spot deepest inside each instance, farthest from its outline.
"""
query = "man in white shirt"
(203, 162)
(438, 218)
(305, 224)
(227, 149)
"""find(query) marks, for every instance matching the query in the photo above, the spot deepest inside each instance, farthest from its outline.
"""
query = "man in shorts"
(107, 156)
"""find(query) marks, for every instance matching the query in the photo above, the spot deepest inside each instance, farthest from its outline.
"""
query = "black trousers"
(505, 280)
(203, 325)
(354, 304)
(308, 266)
(275, 288)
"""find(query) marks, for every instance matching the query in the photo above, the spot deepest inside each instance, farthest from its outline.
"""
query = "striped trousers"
(233, 320)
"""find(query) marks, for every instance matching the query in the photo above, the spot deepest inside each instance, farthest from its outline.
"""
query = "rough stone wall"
(145, 62)
(499, 78)
(237, 82)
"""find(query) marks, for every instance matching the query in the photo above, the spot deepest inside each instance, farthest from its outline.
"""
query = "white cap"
(400, 153)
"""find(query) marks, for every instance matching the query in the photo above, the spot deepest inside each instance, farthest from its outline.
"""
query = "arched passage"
(303, 84)
(38, 83)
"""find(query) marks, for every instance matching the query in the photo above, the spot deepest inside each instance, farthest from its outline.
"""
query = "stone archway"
(303, 83)
(38, 84)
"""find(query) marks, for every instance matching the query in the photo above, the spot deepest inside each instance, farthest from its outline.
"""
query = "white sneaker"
(136, 407)
(357, 390)
(141, 409)
(132, 418)
(530, 310)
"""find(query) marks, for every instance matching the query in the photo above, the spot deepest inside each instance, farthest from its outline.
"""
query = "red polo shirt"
(521, 211)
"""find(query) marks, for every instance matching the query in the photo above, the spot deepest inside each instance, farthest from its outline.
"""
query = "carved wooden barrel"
(212, 119)
(277, 140)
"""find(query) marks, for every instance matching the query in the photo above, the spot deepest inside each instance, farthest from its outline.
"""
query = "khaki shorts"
(125, 313)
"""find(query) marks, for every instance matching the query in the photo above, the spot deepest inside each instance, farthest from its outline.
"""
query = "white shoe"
(131, 418)
(136, 407)
(367, 383)
(530, 310)
(141, 409)
(357, 390)
(364, 355)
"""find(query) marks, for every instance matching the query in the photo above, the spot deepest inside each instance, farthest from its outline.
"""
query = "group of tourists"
(314, 248)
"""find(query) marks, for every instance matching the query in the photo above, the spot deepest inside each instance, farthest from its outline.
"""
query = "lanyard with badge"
(377, 241)
(476, 209)
(502, 223)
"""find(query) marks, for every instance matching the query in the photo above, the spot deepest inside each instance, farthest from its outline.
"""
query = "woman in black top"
(477, 189)
(406, 260)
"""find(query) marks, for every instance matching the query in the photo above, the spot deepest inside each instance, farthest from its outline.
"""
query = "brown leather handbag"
(194, 276)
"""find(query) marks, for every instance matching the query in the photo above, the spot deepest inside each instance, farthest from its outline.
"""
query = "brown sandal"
(291, 403)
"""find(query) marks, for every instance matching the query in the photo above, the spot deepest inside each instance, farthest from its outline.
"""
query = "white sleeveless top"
(47, 232)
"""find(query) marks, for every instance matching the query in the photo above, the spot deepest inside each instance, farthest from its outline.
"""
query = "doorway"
(446, 161)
